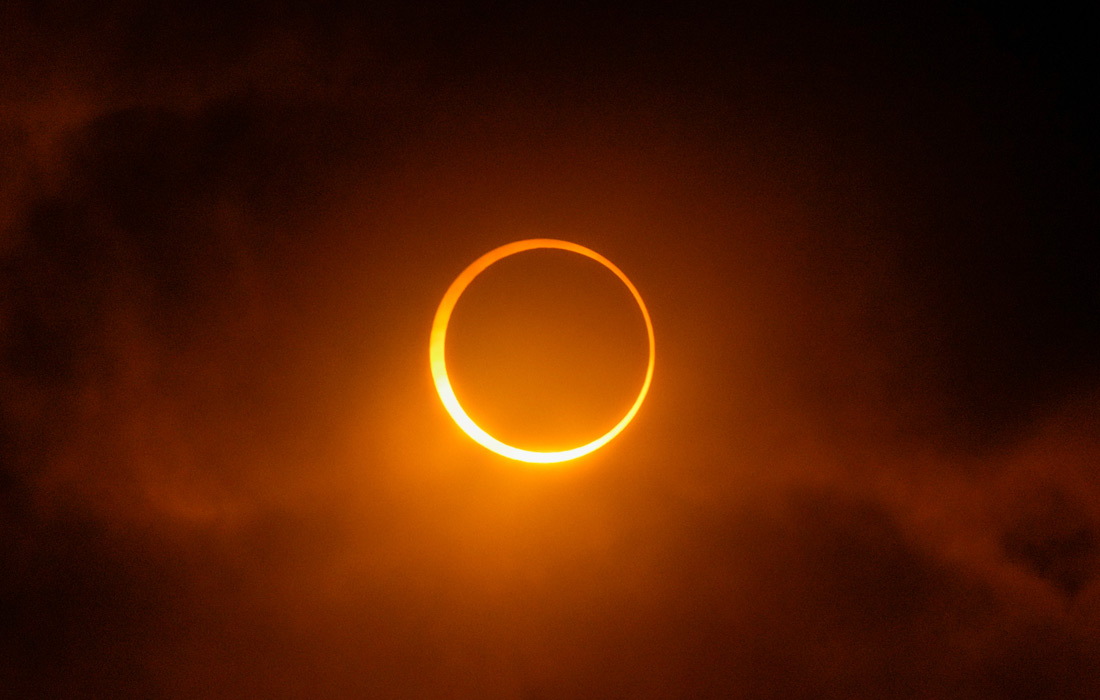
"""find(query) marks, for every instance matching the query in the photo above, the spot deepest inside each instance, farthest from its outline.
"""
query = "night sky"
(869, 462)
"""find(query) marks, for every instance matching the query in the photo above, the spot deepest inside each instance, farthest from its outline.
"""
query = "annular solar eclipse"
(439, 365)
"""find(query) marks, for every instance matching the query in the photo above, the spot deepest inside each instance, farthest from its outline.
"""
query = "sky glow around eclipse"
(867, 232)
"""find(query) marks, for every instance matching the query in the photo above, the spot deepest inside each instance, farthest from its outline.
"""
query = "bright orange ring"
(439, 365)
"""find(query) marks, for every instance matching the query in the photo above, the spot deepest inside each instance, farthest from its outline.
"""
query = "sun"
(438, 343)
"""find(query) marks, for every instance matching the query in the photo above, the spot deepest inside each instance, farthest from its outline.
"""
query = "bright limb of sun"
(439, 365)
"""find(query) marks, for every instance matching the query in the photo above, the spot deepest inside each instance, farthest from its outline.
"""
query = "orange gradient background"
(867, 465)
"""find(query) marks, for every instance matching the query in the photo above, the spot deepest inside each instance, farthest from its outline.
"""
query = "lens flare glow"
(439, 364)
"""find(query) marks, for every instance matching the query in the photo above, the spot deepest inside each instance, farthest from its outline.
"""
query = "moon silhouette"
(439, 365)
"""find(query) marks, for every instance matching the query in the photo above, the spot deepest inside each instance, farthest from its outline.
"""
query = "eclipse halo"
(439, 365)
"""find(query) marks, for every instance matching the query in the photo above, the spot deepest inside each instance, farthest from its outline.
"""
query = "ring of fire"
(439, 364)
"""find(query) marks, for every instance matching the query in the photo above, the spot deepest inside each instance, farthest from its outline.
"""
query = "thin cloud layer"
(868, 463)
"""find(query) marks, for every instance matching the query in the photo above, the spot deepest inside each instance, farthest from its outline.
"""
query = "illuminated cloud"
(867, 464)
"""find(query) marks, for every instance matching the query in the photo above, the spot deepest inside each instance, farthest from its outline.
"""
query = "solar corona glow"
(439, 364)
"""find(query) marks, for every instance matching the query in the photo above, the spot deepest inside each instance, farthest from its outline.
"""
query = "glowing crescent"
(439, 365)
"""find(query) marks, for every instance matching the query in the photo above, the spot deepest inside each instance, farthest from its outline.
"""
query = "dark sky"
(868, 464)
